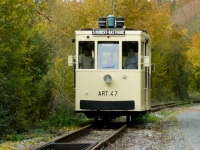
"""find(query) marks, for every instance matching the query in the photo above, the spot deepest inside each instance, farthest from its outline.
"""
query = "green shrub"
(15, 137)
(147, 118)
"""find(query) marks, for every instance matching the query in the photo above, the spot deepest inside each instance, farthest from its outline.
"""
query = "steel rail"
(67, 137)
(165, 104)
(160, 107)
(62, 141)
(110, 138)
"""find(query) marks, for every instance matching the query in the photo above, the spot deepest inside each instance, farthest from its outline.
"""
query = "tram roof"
(112, 31)
(132, 29)
(125, 29)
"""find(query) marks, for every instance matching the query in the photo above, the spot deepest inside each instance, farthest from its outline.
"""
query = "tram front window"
(130, 54)
(108, 55)
(86, 55)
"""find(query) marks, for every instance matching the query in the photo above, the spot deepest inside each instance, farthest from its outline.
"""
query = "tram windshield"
(108, 55)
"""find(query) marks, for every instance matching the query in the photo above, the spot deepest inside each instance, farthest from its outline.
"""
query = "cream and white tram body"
(113, 91)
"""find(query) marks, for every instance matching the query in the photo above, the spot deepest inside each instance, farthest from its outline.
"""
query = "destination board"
(108, 32)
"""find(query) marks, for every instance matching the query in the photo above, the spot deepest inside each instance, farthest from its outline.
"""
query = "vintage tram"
(104, 91)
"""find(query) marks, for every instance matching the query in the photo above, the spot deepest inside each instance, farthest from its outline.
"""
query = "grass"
(48, 128)
(165, 112)
(16, 137)
(147, 118)
(189, 104)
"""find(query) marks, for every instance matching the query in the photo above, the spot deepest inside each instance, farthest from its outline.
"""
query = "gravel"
(165, 135)
(190, 125)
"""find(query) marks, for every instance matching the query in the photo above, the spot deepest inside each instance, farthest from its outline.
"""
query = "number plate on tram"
(107, 93)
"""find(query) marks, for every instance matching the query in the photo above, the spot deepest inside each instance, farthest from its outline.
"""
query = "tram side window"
(130, 54)
(142, 54)
(86, 55)
(108, 55)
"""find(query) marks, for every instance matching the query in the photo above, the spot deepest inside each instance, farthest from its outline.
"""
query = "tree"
(62, 18)
(167, 43)
(25, 57)
(194, 59)
(184, 18)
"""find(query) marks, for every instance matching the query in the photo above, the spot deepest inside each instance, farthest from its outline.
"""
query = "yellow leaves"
(185, 32)
(39, 27)
(133, 12)
(194, 51)
(68, 128)
(91, 10)
(193, 55)
(7, 147)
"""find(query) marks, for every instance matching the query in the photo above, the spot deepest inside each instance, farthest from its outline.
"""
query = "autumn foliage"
(35, 41)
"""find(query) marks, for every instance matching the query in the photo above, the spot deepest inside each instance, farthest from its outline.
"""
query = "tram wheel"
(96, 119)
(128, 118)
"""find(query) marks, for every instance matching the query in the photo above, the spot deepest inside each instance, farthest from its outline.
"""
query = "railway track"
(93, 136)
(155, 108)
(90, 137)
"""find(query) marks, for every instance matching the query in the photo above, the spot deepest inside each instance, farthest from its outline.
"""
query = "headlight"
(107, 78)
